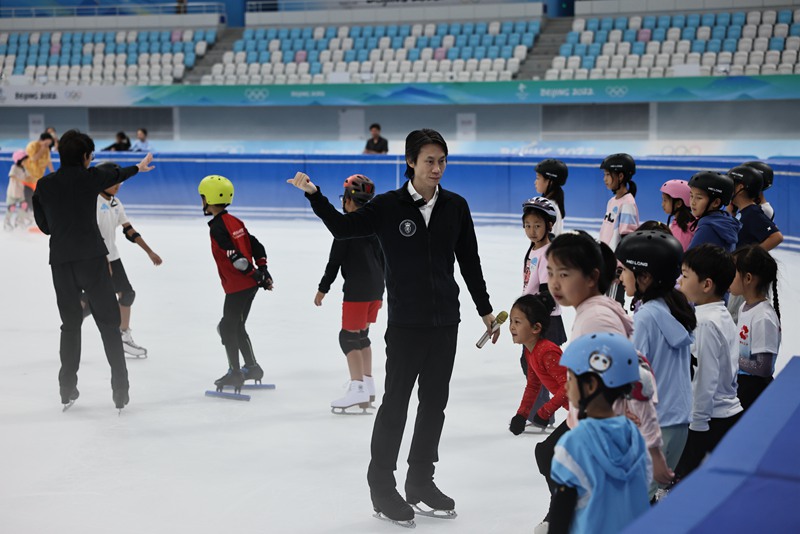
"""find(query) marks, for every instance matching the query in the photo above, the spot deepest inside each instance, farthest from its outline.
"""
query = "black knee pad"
(364, 335)
(349, 341)
(126, 298)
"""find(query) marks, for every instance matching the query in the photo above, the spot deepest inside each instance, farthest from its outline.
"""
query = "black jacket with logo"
(419, 270)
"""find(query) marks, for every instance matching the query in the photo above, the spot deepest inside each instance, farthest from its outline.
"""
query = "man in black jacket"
(65, 207)
(422, 229)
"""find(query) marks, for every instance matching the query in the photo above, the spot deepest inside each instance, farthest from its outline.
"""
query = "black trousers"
(699, 444)
(231, 327)
(545, 451)
(92, 277)
(427, 355)
(750, 387)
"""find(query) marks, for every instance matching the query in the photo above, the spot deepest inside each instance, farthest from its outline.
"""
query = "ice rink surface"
(178, 462)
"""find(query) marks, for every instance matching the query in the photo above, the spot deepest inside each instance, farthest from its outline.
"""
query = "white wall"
(614, 7)
(122, 22)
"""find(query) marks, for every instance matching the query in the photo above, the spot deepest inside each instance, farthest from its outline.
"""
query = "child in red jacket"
(234, 251)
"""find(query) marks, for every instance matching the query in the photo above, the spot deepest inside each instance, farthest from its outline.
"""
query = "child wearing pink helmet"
(675, 203)
(16, 207)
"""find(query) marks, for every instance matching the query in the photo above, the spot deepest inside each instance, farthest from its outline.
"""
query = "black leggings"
(545, 452)
(750, 387)
(699, 444)
(231, 327)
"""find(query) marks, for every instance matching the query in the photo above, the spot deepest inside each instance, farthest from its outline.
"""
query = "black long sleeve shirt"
(65, 207)
(361, 261)
(420, 260)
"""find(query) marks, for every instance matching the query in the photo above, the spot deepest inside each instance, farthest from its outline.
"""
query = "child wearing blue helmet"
(602, 464)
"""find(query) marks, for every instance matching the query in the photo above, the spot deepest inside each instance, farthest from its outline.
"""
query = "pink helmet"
(18, 155)
(677, 189)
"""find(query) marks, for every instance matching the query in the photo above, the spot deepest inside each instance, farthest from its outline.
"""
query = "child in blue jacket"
(710, 193)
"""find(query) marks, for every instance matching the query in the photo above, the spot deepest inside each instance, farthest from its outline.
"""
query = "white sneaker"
(369, 385)
(130, 346)
(356, 395)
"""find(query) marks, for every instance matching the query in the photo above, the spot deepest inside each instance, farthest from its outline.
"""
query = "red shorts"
(358, 315)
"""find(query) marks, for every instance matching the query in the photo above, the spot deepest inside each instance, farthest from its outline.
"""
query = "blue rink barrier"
(494, 186)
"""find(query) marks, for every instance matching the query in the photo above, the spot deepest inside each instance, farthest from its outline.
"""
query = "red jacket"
(229, 236)
(544, 368)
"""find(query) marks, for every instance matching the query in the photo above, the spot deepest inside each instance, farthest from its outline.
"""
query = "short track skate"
(232, 379)
(224, 395)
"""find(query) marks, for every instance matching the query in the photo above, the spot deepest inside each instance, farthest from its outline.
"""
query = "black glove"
(262, 277)
(538, 421)
(517, 425)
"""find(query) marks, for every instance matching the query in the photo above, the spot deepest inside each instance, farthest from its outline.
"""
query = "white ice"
(178, 462)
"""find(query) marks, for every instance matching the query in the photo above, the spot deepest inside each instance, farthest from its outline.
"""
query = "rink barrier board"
(494, 186)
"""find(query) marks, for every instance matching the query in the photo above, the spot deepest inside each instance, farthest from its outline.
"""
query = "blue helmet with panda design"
(611, 357)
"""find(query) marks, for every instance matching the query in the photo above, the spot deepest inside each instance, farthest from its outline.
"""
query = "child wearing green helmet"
(602, 464)
(242, 265)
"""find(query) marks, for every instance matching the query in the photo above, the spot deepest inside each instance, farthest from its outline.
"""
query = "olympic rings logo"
(616, 91)
(256, 95)
(73, 95)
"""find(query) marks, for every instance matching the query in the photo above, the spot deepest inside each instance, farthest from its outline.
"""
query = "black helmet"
(620, 163)
(749, 177)
(766, 172)
(717, 185)
(543, 206)
(654, 252)
(553, 169)
(360, 188)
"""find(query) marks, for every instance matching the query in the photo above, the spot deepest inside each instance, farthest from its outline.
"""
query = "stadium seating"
(103, 58)
(710, 44)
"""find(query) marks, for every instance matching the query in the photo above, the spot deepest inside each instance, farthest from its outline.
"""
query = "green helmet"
(216, 190)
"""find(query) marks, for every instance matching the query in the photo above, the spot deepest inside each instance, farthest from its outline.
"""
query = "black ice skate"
(254, 372)
(390, 506)
(440, 505)
(121, 398)
(68, 397)
(234, 379)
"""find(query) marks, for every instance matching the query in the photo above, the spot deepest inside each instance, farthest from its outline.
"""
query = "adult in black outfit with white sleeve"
(422, 229)
(65, 208)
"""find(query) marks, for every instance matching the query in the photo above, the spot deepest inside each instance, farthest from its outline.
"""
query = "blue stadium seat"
(359, 43)
(527, 39)
(52, 61)
(14, 38)
(286, 44)
(689, 33)
(188, 48)
(663, 21)
(372, 42)
(698, 46)
(719, 32)
(260, 34)
(723, 19)
(313, 56)
(295, 33)
(397, 42)
(272, 33)
(785, 16)
(88, 37)
(714, 45)
(308, 32)
(111, 37)
(638, 48)
(479, 53)
(794, 30)
(595, 49)
(63, 61)
(155, 48)
(132, 48)
(249, 46)
(405, 30)
(424, 42)
(487, 40)
(507, 27)
(621, 23)
(166, 48)
(481, 28)
(776, 43)
(693, 20)
(238, 46)
(263, 57)
(392, 30)
(252, 57)
(474, 40)
(436, 42)
(734, 32)
(573, 38)
(132, 59)
(579, 50)
(442, 28)
(367, 32)
(587, 62)
(729, 45)
(283, 33)
(513, 40)
(86, 59)
(534, 27)
(455, 28)
(177, 47)
(362, 55)
(211, 37)
(189, 60)
(452, 53)
(298, 44)
(600, 36)
(316, 68)
(659, 34)
(507, 52)
(607, 23)
(468, 28)
(629, 36)
(249, 34)
(349, 56)
(111, 48)
(99, 37)
(520, 26)
(461, 41)
(413, 54)
(708, 19)
(502, 39)
(678, 21)
(592, 24)
(493, 52)
(143, 48)
(466, 52)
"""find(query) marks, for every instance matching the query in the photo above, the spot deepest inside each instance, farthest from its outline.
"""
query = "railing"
(117, 10)
(258, 6)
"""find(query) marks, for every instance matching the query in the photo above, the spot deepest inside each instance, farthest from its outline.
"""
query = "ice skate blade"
(438, 514)
(230, 396)
(343, 411)
(131, 356)
(67, 406)
(405, 524)
(258, 385)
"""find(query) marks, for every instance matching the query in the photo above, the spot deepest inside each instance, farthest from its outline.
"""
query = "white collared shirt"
(427, 209)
